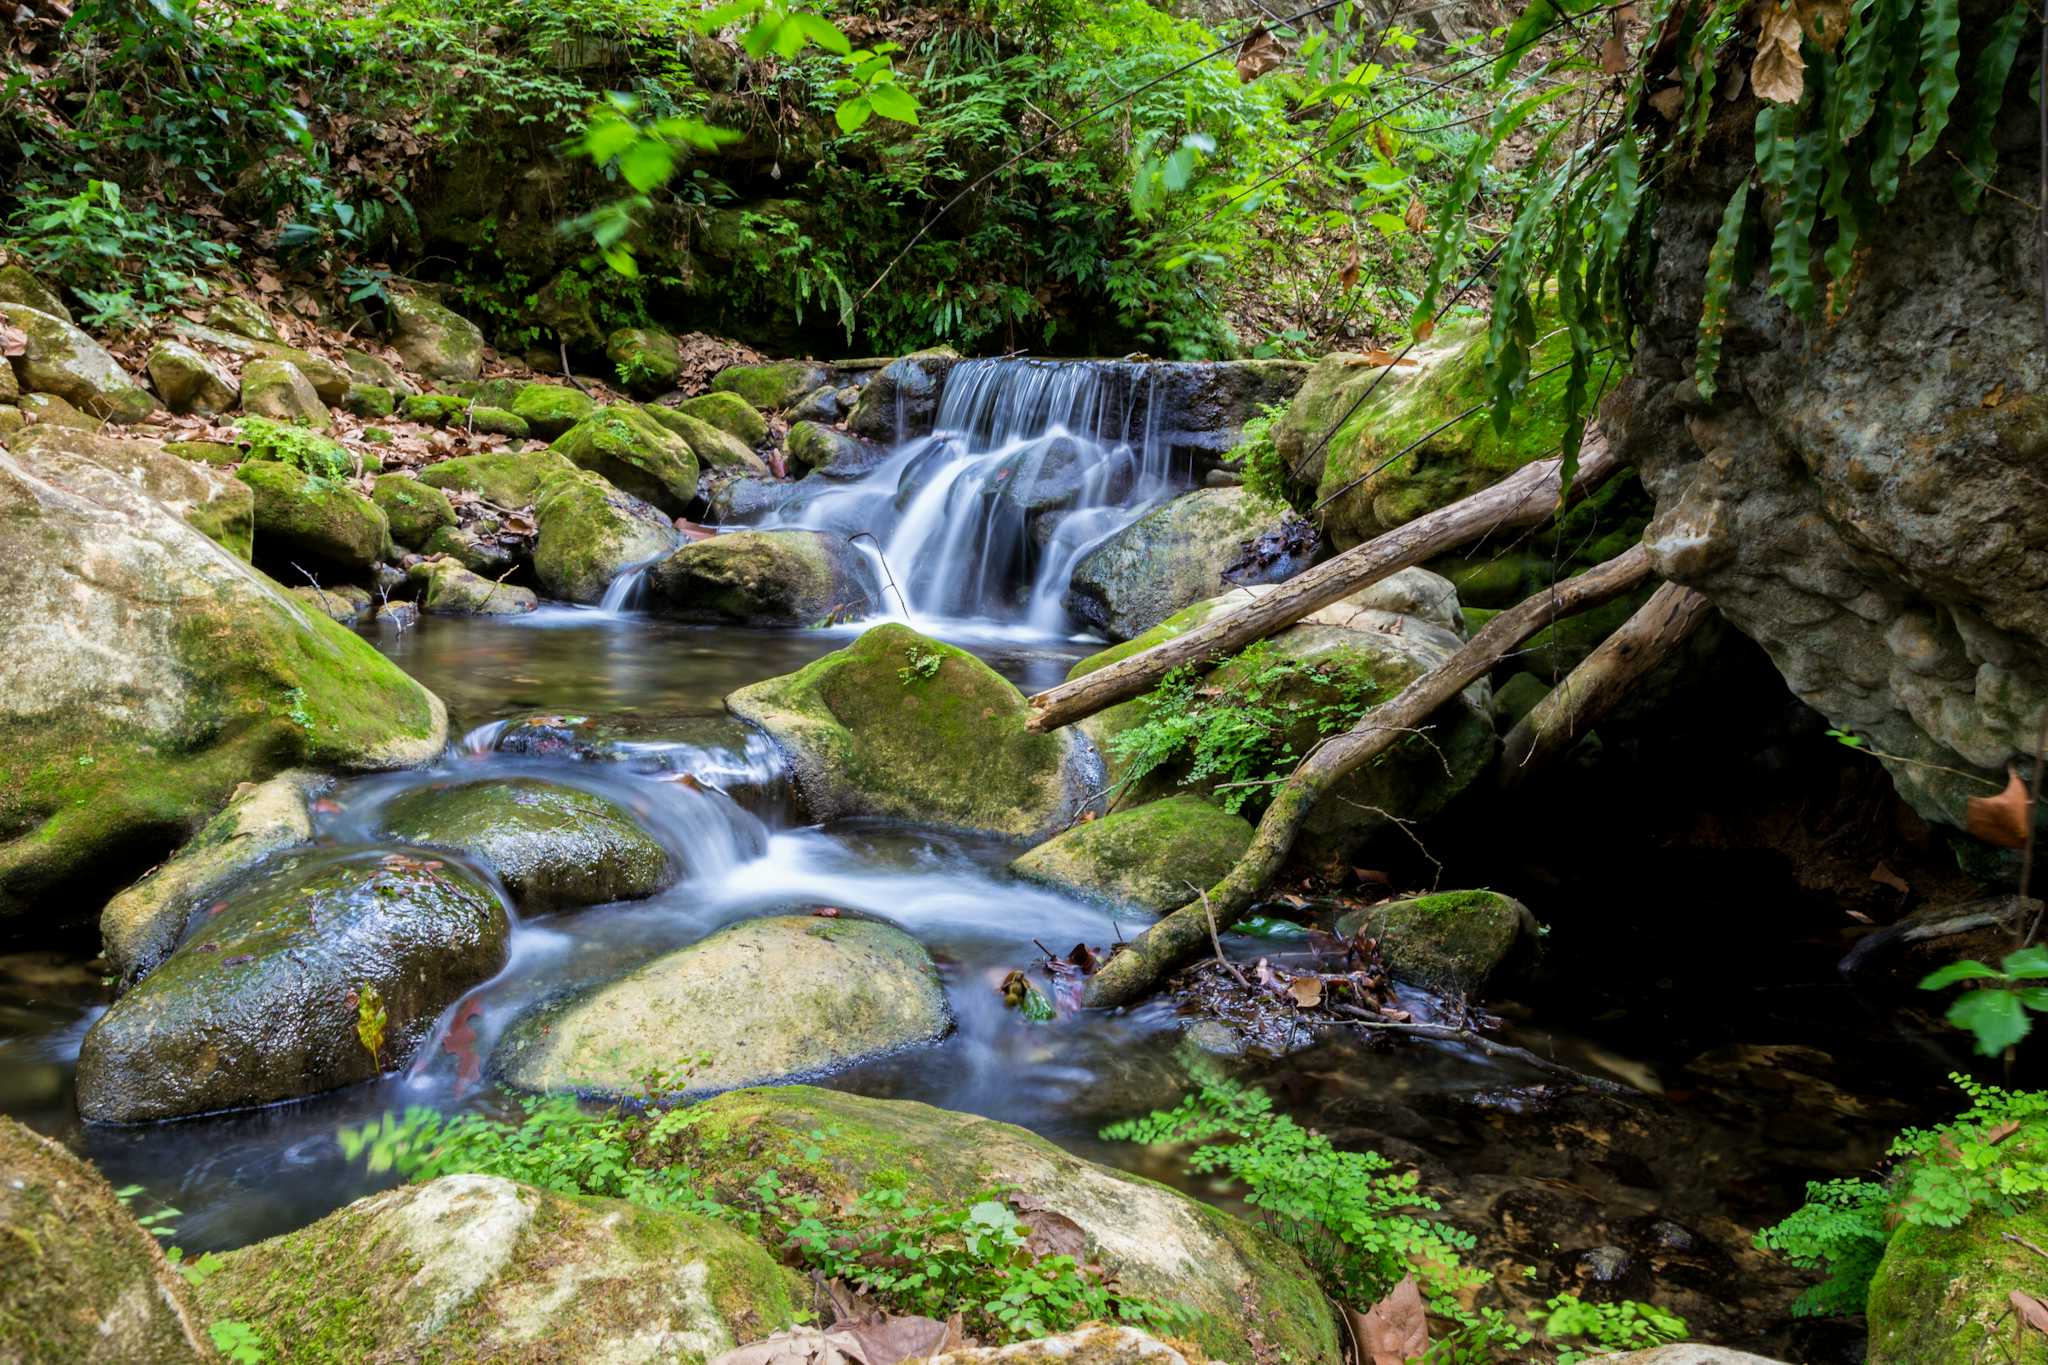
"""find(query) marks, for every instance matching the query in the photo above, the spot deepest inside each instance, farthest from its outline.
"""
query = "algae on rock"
(636, 453)
(1146, 857)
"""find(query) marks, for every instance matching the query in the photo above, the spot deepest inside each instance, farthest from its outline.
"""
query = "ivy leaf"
(1997, 1018)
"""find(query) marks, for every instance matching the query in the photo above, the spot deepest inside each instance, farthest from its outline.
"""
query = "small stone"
(369, 400)
(242, 316)
(188, 382)
(279, 390)
(449, 589)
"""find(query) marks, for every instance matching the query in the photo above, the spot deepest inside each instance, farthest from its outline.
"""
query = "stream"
(1754, 1071)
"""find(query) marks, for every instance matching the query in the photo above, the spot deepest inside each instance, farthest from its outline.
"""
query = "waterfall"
(1030, 464)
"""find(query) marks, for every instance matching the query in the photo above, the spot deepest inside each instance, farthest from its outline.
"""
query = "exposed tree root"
(1589, 691)
(1180, 937)
(1525, 498)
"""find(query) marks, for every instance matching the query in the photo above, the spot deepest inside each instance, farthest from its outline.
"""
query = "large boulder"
(435, 341)
(141, 926)
(636, 453)
(320, 519)
(763, 1000)
(263, 1001)
(189, 382)
(1156, 1242)
(211, 502)
(730, 413)
(62, 360)
(1449, 941)
(902, 726)
(413, 508)
(1168, 559)
(550, 409)
(902, 400)
(478, 1268)
(590, 533)
(771, 386)
(714, 447)
(82, 1283)
(646, 359)
(1147, 858)
(555, 847)
(506, 478)
(144, 673)
(761, 578)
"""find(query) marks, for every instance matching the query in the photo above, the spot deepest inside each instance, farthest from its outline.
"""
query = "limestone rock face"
(764, 1000)
(64, 361)
(1862, 511)
(81, 1281)
(1166, 560)
(477, 1267)
(144, 673)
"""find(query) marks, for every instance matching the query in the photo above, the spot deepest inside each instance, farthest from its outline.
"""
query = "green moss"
(300, 448)
(646, 359)
(304, 513)
(508, 479)
(205, 452)
(1941, 1296)
(770, 387)
(433, 409)
(369, 400)
(758, 578)
(1452, 941)
(589, 534)
(414, 509)
(1146, 857)
(551, 409)
(636, 453)
(729, 412)
(497, 422)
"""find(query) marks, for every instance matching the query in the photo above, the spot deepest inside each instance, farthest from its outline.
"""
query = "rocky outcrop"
(60, 359)
(1168, 559)
(144, 673)
(476, 1267)
(1147, 857)
(764, 1000)
(262, 1003)
(881, 728)
(554, 847)
(762, 578)
(82, 1282)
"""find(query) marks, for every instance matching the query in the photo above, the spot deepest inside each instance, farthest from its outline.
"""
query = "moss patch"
(1145, 857)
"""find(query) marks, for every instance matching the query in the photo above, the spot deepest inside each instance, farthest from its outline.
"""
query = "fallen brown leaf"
(1307, 991)
(1779, 73)
(1395, 1330)
(2032, 1311)
(1884, 876)
(2001, 819)
(1259, 53)
(1376, 356)
(1417, 216)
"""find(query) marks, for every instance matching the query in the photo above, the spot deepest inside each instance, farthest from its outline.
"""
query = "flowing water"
(1757, 1072)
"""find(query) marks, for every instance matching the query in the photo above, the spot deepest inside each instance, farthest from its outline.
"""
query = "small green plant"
(1998, 1010)
(125, 262)
(160, 1222)
(1840, 1229)
(1263, 471)
(237, 1341)
(370, 1022)
(632, 368)
(296, 446)
(1609, 1327)
(924, 663)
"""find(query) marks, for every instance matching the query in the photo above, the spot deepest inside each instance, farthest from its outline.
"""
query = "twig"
(1444, 1033)
(1215, 941)
(565, 367)
(887, 572)
(2018, 1240)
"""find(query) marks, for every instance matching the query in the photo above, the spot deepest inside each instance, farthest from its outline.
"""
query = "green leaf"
(1969, 969)
(892, 101)
(820, 30)
(1941, 50)
(621, 261)
(1997, 1018)
(605, 140)
(854, 113)
(1987, 85)
(2027, 963)
(648, 164)
(1720, 282)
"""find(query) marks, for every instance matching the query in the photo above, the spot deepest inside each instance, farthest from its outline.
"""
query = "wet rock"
(1167, 560)
(636, 453)
(476, 1267)
(435, 341)
(645, 358)
(143, 924)
(590, 533)
(829, 453)
(342, 603)
(1146, 857)
(902, 400)
(730, 413)
(449, 589)
(508, 478)
(1452, 941)
(772, 386)
(555, 847)
(551, 409)
(315, 518)
(260, 1003)
(761, 578)
(821, 404)
(19, 285)
(764, 1000)
(209, 500)
(1155, 1241)
(714, 447)
(1275, 554)
(398, 615)
(243, 317)
(188, 382)
(413, 508)
(885, 727)
(730, 500)
(82, 1282)
(62, 360)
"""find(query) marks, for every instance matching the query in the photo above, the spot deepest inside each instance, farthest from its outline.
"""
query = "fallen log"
(1602, 678)
(1181, 937)
(1525, 498)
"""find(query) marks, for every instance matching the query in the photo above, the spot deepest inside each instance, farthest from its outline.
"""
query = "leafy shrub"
(1609, 1327)
(125, 261)
(1997, 1011)
(296, 446)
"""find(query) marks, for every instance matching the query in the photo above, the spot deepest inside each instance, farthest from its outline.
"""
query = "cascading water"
(1029, 465)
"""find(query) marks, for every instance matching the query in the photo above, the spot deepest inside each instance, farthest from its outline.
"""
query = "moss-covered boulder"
(47, 409)
(1146, 857)
(279, 390)
(309, 515)
(62, 360)
(260, 438)
(555, 847)
(551, 409)
(365, 368)
(902, 726)
(764, 1000)
(18, 284)
(590, 533)
(829, 452)
(477, 547)
(329, 379)
(729, 412)
(646, 359)
(902, 400)
(490, 421)
(261, 1003)
(714, 447)
(211, 502)
(435, 341)
(773, 386)
(433, 409)
(1157, 1242)
(451, 588)
(760, 578)
(506, 478)
(189, 382)
(635, 453)
(1942, 1296)
(414, 509)
(478, 1268)
(1168, 559)
(371, 402)
(82, 1283)
(1407, 405)
(243, 317)
(1450, 941)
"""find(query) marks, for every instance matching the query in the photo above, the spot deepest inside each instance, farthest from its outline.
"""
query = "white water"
(1030, 464)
